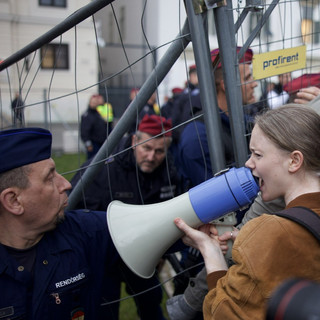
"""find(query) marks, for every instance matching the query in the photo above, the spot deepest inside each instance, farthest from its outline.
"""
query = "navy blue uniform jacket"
(68, 272)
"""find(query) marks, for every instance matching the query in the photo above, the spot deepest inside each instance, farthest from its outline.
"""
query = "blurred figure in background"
(193, 150)
(278, 96)
(167, 108)
(304, 89)
(151, 108)
(96, 124)
(181, 110)
(17, 106)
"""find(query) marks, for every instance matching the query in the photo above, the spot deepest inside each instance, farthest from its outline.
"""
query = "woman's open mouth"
(258, 181)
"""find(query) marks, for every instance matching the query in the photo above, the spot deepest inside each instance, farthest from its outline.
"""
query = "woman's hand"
(225, 237)
(206, 241)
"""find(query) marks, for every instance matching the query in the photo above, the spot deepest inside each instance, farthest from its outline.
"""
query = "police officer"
(51, 262)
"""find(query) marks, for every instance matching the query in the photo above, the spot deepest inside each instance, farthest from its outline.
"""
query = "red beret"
(247, 57)
(176, 90)
(154, 125)
(305, 81)
(134, 90)
(192, 68)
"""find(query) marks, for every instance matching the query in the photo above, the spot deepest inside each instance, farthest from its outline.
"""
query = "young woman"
(285, 146)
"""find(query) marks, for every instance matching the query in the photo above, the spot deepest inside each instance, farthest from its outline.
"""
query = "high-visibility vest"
(106, 112)
(156, 108)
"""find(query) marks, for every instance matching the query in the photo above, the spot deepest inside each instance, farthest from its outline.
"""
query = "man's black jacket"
(120, 179)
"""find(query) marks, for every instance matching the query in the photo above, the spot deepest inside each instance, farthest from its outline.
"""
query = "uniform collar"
(53, 243)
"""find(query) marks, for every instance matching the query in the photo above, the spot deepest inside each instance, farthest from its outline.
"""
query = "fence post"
(207, 87)
(223, 17)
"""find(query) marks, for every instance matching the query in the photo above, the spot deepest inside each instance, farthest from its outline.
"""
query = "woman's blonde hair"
(294, 127)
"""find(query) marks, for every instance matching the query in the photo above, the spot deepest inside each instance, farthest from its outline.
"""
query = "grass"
(128, 308)
(70, 162)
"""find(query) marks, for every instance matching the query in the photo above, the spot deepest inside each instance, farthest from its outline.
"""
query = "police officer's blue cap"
(19, 147)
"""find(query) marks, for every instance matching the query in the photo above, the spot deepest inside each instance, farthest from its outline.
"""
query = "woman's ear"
(296, 161)
(9, 199)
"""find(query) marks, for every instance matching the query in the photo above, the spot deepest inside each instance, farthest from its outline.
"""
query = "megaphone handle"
(224, 224)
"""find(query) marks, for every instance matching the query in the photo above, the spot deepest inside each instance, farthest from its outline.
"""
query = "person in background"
(181, 110)
(278, 96)
(96, 124)
(52, 262)
(285, 157)
(167, 108)
(140, 171)
(305, 95)
(304, 89)
(17, 106)
(192, 82)
(133, 93)
(137, 170)
(192, 154)
(266, 86)
(151, 108)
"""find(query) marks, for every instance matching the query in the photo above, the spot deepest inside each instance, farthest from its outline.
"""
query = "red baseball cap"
(154, 125)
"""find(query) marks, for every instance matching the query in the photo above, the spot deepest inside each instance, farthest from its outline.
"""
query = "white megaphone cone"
(143, 233)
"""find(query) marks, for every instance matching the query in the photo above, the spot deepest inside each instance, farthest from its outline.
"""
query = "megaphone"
(143, 233)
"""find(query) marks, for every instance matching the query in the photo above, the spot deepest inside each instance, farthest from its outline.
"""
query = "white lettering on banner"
(70, 280)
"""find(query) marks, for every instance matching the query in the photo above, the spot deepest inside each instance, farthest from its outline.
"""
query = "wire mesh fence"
(109, 47)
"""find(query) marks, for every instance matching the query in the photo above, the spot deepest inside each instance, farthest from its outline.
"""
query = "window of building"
(53, 3)
(55, 56)
(309, 22)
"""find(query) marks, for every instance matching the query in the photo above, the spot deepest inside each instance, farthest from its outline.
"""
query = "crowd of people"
(58, 263)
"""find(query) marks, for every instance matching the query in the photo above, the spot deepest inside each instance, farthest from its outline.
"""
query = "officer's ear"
(133, 139)
(9, 199)
(223, 88)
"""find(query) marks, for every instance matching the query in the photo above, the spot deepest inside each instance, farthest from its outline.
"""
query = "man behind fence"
(140, 171)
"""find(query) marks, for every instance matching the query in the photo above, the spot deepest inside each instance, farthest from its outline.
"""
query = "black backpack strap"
(305, 217)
